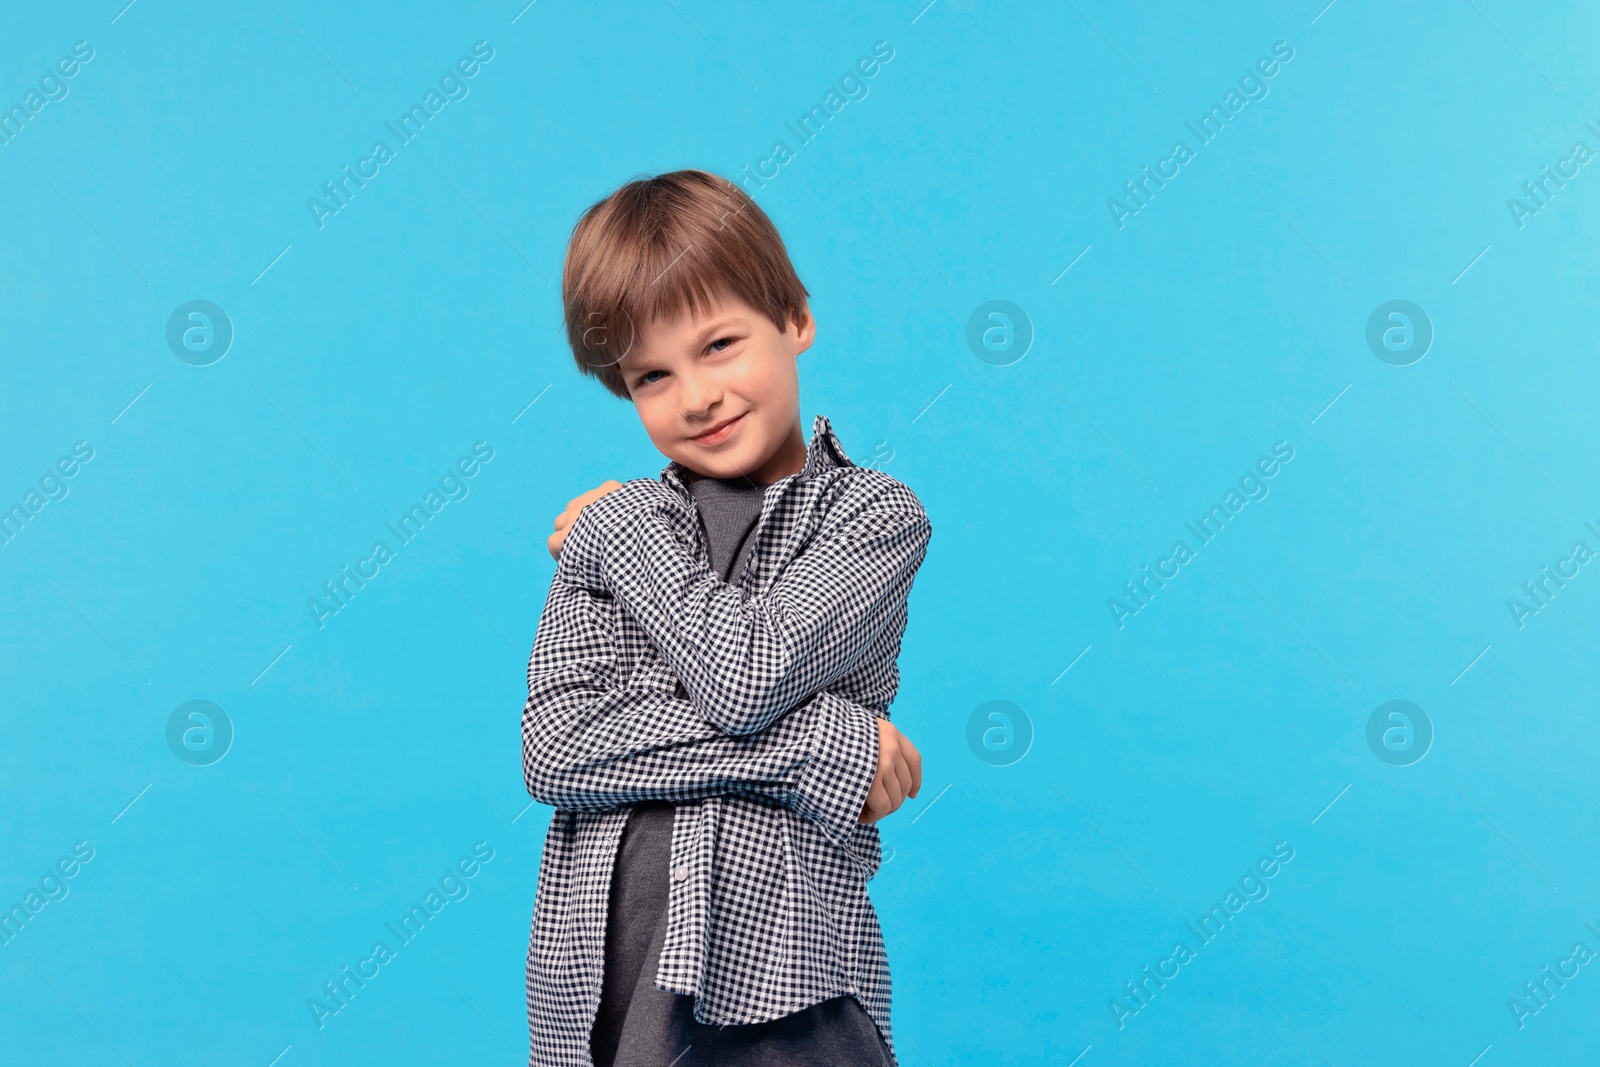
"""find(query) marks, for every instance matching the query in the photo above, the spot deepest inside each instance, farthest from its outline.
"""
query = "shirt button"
(681, 873)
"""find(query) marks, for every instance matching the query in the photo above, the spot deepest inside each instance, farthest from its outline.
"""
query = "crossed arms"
(759, 718)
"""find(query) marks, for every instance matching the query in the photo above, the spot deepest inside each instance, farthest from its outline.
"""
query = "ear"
(805, 332)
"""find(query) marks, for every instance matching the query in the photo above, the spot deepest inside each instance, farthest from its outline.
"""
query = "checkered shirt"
(753, 707)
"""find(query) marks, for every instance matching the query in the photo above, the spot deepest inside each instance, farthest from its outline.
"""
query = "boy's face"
(720, 392)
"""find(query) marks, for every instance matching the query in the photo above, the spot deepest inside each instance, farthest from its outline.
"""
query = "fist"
(565, 520)
(899, 773)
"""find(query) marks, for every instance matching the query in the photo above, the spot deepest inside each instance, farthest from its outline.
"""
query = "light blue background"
(1016, 900)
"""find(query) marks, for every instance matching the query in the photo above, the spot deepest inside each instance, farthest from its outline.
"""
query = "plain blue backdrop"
(1044, 865)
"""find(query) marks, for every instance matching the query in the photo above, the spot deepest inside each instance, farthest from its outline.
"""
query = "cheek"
(742, 379)
(657, 415)
(765, 374)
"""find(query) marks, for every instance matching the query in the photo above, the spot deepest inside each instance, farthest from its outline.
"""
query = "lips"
(718, 433)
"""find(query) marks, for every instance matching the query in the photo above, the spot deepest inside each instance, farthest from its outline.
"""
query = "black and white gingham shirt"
(753, 707)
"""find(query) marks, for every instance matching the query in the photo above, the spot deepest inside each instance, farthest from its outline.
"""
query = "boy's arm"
(590, 743)
(747, 659)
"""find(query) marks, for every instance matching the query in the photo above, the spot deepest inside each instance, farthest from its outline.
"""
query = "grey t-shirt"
(729, 510)
(638, 1024)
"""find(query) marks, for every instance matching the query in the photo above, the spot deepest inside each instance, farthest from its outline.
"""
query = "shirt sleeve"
(592, 744)
(744, 659)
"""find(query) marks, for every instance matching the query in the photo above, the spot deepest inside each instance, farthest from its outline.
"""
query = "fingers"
(887, 795)
(914, 758)
(906, 762)
(559, 538)
(901, 768)
(565, 520)
(887, 779)
(877, 802)
(898, 776)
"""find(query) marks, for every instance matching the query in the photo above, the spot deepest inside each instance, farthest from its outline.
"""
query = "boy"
(709, 688)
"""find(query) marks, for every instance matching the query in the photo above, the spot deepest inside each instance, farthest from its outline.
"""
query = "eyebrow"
(717, 326)
(629, 363)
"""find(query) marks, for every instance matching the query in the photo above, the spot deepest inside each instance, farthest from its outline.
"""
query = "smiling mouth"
(717, 433)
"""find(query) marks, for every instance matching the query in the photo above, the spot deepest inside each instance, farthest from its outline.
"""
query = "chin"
(725, 465)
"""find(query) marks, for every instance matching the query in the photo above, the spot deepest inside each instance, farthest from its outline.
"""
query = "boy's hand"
(899, 773)
(565, 520)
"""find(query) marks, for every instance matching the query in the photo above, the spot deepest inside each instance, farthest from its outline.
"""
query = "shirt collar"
(823, 452)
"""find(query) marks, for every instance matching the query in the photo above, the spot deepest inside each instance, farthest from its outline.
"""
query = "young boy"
(709, 688)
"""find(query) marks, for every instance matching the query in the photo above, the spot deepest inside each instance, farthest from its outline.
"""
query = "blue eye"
(721, 341)
(644, 379)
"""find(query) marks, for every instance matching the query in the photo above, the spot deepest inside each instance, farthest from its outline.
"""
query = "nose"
(698, 393)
